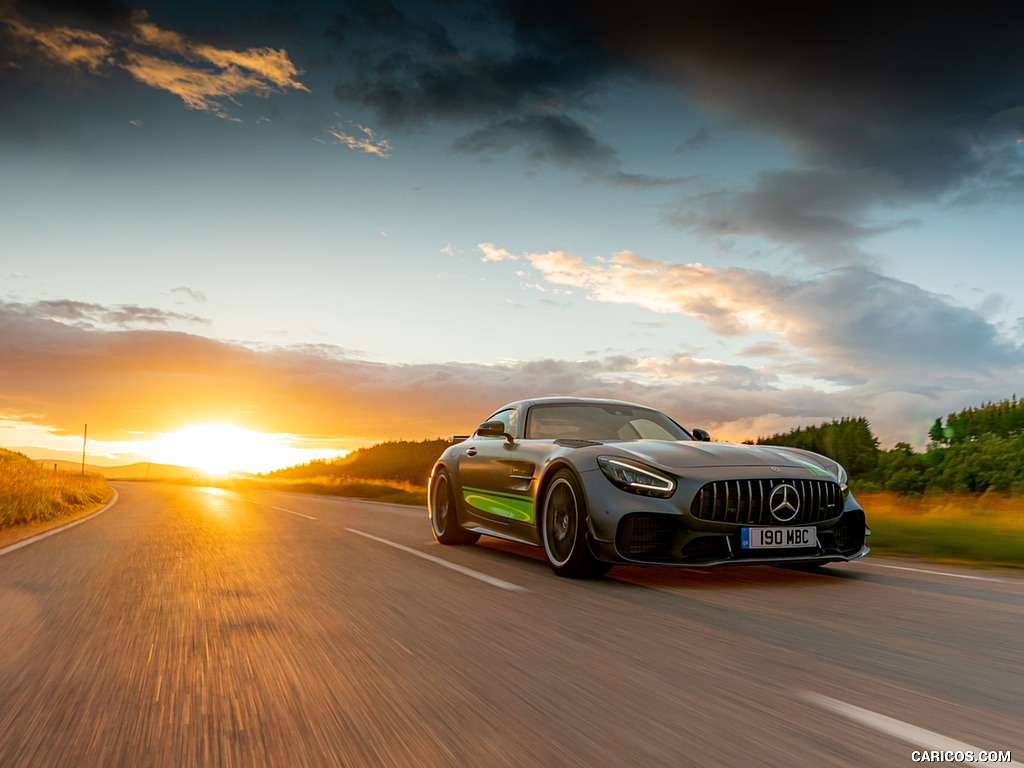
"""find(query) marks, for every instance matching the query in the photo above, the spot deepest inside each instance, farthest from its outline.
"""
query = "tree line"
(978, 449)
(401, 460)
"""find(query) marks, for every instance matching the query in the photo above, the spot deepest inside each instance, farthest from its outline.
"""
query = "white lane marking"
(41, 536)
(499, 583)
(290, 512)
(934, 573)
(919, 737)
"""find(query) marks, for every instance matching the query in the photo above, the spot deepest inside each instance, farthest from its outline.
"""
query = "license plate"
(779, 538)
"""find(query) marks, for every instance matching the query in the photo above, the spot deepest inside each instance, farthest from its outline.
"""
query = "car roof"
(566, 400)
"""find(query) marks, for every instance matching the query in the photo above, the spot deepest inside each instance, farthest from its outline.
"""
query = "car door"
(492, 477)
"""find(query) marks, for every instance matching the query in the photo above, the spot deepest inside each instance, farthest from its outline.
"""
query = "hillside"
(141, 470)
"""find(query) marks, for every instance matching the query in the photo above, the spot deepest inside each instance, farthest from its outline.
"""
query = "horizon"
(324, 229)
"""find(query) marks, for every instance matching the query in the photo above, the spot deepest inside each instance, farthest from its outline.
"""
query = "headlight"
(636, 478)
(844, 480)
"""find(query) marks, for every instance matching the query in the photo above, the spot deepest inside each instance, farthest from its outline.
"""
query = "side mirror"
(701, 435)
(493, 429)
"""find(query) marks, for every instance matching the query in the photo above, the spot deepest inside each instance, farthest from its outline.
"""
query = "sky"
(321, 225)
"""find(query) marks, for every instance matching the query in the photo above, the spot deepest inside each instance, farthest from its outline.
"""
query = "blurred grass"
(984, 529)
(30, 493)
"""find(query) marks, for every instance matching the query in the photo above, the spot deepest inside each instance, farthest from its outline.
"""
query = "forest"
(980, 448)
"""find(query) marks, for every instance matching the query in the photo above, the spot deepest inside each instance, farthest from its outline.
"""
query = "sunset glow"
(218, 449)
(359, 227)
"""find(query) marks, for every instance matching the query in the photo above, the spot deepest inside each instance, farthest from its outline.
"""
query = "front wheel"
(563, 527)
(443, 519)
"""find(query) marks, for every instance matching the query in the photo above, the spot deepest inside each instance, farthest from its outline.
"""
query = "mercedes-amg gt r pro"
(599, 482)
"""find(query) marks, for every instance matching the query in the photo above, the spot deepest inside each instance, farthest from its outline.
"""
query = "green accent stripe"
(499, 494)
(815, 469)
(500, 504)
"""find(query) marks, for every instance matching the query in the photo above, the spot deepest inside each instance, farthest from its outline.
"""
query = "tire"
(563, 529)
(444, 520)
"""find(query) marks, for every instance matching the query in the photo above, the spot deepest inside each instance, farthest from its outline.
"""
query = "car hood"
(688, 455)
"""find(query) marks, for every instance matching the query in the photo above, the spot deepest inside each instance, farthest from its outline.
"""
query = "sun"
(218, 449)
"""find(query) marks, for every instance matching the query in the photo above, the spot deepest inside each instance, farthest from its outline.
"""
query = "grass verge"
(986, 529)
(33, 498)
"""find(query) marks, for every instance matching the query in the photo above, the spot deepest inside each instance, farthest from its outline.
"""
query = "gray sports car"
(599, 482)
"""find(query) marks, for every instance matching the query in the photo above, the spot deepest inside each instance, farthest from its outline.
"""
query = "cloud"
(64, 45)
(203, 76)
(879, 107)
(492, 253)
(546, 137)
(928, 102)
(59, 375)
(825, 214)
(368, 142)
(197, 296)
(850, 324)
(507, 88)
(87, 315)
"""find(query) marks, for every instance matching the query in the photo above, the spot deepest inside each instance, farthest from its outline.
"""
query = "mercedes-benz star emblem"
(784, 502)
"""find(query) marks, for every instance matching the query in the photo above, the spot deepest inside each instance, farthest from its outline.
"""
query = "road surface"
(202, 627)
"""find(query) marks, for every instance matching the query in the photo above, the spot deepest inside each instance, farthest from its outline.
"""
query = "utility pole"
(85, 437)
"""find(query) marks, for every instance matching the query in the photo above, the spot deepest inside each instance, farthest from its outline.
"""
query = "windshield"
(601, 421)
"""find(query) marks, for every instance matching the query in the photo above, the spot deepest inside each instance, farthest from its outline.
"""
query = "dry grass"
(31, 494)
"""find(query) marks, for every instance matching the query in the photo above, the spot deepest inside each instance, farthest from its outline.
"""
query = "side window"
(510, 418)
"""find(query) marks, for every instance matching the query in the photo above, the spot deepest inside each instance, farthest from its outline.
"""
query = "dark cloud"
(883, 104)
(511, 80)
(922, 94)
(409, 67)
(826, 214)
(933, 99)
(106, 13)
(546, 137)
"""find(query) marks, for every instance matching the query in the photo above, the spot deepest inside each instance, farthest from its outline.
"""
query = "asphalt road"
(199, 627)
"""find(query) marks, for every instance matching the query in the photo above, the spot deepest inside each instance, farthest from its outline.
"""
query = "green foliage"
(1005, 419)
(848, 441)
(975, 450)
(978, 449)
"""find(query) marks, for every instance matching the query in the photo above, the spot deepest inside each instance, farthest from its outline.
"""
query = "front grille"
(747, 501)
